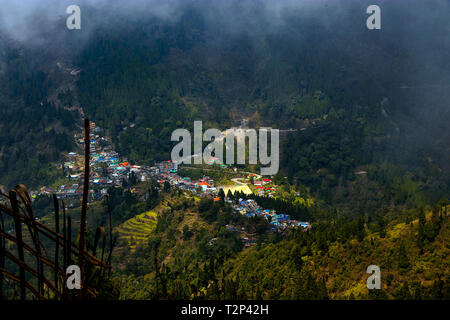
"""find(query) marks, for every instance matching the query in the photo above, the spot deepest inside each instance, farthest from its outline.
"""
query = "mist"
(413, 40)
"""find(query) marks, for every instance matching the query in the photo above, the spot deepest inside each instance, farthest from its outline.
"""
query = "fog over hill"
(249, 52)
(364, 150)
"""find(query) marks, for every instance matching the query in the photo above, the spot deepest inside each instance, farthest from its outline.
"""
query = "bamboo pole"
(56, 205)
(84, 202)
(19, 244)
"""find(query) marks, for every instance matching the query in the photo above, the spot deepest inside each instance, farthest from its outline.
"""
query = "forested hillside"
(35, 126)
(353, 112)
(191, 255)
(380, 98)
(364, 153)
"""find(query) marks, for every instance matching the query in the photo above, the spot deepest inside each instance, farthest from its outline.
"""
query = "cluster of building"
(109, 169)
(247, 240)
(166, 172)
(264, 187)
(203, 187)
(279, 221)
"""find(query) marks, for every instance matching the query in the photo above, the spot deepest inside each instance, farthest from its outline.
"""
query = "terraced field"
(138, 229)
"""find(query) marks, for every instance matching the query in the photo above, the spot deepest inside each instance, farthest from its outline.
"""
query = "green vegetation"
(34, 129)
(188, 258)
(333, 253)
(138, 229)
(363, 157)
(143, 81)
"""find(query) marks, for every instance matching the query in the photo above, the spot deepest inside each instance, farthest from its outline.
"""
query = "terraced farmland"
(138, 229)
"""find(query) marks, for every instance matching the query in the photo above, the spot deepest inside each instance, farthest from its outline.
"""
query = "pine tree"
(322, 290)
(361, 232)
(417, 292)
(404, 293)
(221, 194)
(436, 290)
(403, 261)
(381, 226)
(421, 235)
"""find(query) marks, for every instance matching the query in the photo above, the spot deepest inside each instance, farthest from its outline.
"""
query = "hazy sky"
(25, 19)
(416, 31)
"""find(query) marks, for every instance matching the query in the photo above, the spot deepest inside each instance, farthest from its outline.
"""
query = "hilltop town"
(110, 170)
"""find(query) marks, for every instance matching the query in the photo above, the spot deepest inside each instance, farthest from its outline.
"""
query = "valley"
(360, 177)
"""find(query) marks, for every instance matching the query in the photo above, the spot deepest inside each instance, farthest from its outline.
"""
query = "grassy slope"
(138, 229)
(273, 270)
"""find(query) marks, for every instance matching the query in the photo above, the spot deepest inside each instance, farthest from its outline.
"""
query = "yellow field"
(138, 229)
(244, 188)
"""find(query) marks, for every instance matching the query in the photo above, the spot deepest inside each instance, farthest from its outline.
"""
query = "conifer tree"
(403, 261)
(421, 235)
